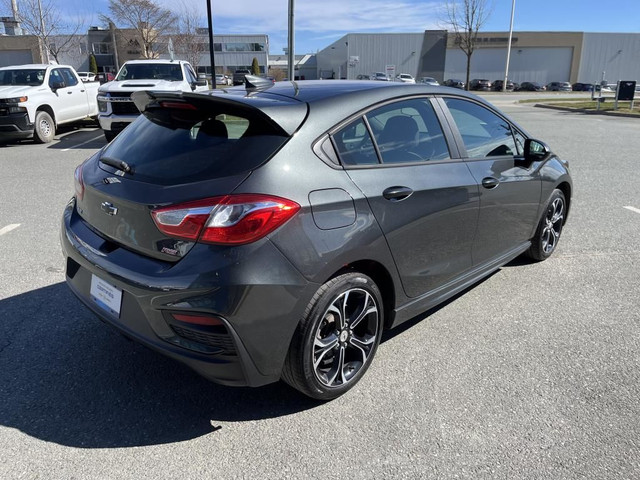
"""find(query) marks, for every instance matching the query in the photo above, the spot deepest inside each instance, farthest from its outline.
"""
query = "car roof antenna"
(252, 82)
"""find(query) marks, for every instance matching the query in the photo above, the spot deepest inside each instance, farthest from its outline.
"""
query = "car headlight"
(102, 102)
(15, 100)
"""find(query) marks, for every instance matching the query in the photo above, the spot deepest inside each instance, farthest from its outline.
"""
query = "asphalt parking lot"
(533, 373)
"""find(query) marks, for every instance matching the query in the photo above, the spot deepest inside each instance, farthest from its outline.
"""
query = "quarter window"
(354, 144)
(483, 132)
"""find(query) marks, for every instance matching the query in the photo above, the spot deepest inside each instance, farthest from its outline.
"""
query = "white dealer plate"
(106, 296)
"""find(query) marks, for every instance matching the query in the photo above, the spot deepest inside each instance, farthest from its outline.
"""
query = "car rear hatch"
(183, 149)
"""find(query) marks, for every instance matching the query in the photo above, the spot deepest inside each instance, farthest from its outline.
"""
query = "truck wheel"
(109, 135)
(45, 129)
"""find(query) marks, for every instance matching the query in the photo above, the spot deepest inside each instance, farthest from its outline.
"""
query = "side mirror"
(199, 83)
(57, 85)
(535, 150)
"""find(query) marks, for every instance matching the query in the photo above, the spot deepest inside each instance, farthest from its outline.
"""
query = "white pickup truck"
(117, 110)
(35, 99)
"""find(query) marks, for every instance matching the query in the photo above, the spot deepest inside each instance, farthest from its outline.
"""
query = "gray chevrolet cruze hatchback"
(274, 231)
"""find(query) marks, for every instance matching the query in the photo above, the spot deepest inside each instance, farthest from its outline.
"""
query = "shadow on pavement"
(67, 378)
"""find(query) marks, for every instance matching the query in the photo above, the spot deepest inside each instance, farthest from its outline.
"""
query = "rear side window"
(484, 133)
(172, 147)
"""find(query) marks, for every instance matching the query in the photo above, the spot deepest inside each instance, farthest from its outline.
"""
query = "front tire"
(550, 227)
(45, 128)
(336, 340)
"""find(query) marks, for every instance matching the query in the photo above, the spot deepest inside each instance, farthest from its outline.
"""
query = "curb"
(586, 111)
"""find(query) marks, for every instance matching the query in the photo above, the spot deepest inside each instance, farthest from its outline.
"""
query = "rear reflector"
(230, 220)
(78, 182)
(198, 319)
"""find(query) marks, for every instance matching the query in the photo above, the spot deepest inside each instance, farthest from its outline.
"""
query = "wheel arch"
(565, 188)
(49, 110)
(382, 278)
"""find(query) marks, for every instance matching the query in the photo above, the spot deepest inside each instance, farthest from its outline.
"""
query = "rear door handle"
(490, 182)
(395, 194)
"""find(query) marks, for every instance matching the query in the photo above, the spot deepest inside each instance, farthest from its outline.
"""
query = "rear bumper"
(259, 316)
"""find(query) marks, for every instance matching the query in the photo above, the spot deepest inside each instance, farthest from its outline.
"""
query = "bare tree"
(186, 40)
(43, 20)
(465, 18)
(147, 18)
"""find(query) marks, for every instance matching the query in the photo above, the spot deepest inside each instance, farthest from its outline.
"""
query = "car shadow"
(78, 137)
(67, 378)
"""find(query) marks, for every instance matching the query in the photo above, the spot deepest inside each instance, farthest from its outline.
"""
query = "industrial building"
(535, 56)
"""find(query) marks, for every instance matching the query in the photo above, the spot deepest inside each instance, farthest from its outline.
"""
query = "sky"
(318, 23)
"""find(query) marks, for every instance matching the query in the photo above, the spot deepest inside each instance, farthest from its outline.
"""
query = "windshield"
(151, 71)
(26, 77)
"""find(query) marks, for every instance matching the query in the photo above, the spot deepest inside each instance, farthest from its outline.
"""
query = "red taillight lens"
(230, 220)
(206, 320)
(78, 182)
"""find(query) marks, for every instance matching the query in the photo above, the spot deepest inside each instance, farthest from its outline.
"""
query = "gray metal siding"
(616, 54)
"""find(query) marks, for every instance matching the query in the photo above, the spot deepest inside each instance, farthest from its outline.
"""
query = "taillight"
(78, 182)
(230, 220)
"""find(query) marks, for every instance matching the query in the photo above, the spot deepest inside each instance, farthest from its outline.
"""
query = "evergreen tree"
(255, 68)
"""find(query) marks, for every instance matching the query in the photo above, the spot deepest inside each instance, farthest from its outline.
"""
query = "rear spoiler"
(284, 113)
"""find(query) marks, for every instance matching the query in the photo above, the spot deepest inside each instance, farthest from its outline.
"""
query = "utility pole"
(211, 55)
(290, 53)
(506, 70)
(44, 36)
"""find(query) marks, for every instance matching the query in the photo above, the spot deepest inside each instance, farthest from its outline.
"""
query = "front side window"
(55, 78)
(484, 133)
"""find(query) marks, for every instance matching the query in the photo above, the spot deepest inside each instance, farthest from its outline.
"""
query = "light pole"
(211, 55)
(290, 53)
(506, 69)
(44, 36)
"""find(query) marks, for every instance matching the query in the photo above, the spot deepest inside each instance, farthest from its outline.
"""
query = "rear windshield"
(172, 147)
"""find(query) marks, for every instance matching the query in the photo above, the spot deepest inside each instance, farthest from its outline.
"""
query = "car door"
(70, 101)
(425, 201)
(509, 188)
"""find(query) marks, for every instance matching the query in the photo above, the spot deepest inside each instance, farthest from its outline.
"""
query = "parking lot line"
(633, 209)
(8, 228)
(81, 144)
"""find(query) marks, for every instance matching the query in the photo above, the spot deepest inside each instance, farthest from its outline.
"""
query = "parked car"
(223, 79)
(104, 77)
(380, 76)
(87, 76)
(428, 81)
(116, 108)
(36, 99)
(363, 77)
(559, 87)
(481, 84)
(496, 85)
(582, 87)
(455, 83)
(405, 78)
(531, 87)
(239, 74)
(240, 235)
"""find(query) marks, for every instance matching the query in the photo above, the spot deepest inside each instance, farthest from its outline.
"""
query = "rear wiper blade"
(117, 163)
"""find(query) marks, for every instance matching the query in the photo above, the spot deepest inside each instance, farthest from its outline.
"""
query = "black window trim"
(448, 133)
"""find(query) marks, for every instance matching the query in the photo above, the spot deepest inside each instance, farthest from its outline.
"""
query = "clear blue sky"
(320, 22)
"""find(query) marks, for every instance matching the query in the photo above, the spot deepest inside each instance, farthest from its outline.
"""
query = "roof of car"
(147, 61)
(33, 65)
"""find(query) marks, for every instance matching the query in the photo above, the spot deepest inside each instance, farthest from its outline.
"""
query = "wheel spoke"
(362, 346)
(338, 314)
(322, 346)
(368, 308)
(338, 367)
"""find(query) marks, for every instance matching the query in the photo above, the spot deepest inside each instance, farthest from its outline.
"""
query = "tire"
(329, 355)
(109, 135)
(549, 229)
(45, 128)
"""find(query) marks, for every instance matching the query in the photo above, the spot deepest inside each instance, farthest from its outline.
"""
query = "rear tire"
(45, 128)
(337, 338)
(550, 227)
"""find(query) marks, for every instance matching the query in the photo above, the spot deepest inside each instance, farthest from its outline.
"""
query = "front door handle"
(490, 182)
(395, 194)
